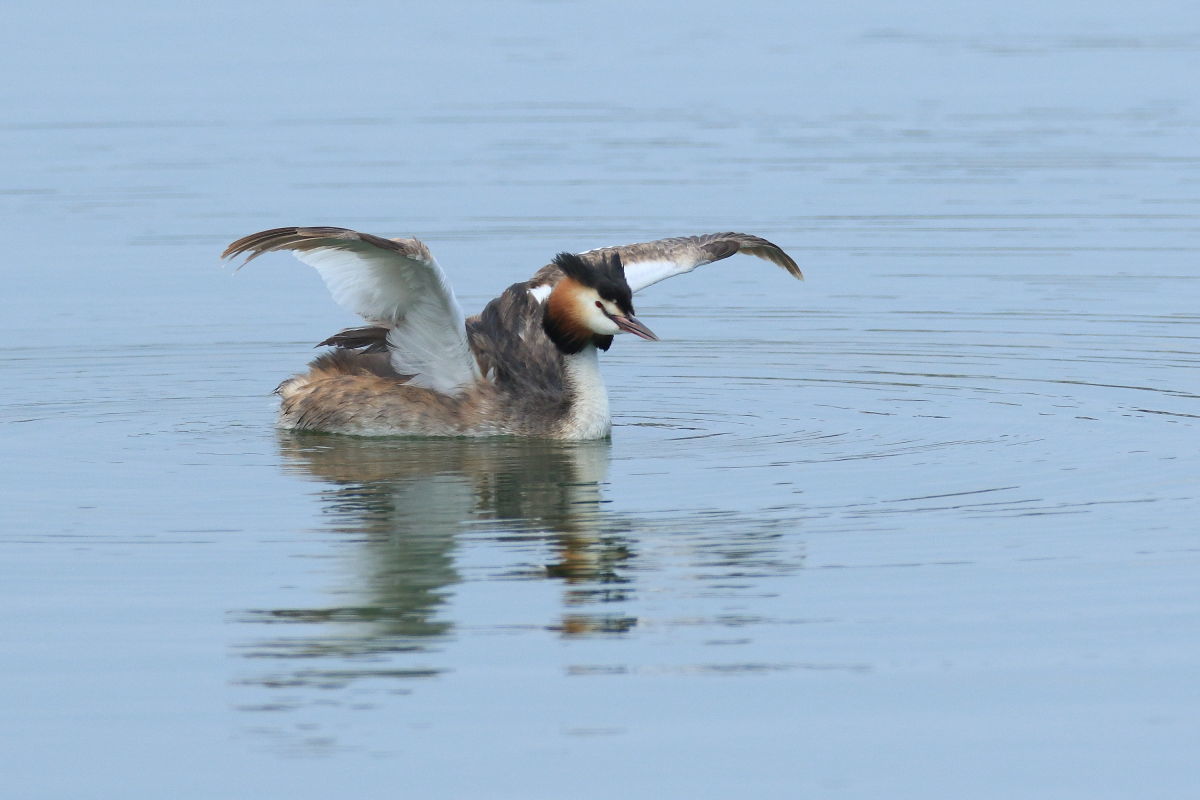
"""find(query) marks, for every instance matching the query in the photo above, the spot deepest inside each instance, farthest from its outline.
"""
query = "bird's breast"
(588, 416)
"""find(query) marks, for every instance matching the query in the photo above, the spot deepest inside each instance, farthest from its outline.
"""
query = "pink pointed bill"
(633, 325)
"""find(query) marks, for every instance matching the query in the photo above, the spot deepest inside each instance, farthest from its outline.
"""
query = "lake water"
(922, 526)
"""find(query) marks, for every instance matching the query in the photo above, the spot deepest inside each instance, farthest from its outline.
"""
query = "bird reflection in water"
(411, 504)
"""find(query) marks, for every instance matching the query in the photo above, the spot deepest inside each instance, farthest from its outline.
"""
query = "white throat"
(588, 417)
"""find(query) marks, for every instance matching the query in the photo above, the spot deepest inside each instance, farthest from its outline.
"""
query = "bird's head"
(592, 303)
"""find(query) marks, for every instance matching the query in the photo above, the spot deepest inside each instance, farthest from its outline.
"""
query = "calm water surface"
(921, 526)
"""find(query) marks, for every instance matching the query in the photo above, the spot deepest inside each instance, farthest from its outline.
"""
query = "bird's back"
(355, 389)
(518, 359)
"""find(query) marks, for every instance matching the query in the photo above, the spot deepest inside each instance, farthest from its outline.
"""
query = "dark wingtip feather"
(256, 244)
(294, 238)
(723, 245)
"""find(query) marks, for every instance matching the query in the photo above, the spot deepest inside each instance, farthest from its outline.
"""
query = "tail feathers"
(291, 387)
(338, 363)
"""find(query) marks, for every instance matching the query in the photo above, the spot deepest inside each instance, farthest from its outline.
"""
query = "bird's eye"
(599, 305)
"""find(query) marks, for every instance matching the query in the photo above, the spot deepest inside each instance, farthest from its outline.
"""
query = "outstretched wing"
(393, 283)
(647, 263)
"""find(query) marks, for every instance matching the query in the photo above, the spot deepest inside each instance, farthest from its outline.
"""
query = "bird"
(527, 365)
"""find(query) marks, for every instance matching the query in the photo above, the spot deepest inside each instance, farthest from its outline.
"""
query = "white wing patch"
(394, 283)
(651, 269)
(647, 263)
(640, 274)
(428, 336)
(540, 293)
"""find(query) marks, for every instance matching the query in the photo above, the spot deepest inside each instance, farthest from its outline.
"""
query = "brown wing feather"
(715, 246)
(686, 251)
(302, 239)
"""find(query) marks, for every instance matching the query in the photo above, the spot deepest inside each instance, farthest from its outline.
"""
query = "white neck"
(588, 417)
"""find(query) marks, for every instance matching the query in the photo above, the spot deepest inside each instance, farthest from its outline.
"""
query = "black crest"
(601, 271)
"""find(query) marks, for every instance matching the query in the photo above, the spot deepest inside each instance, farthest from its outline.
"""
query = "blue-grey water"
(923, 526)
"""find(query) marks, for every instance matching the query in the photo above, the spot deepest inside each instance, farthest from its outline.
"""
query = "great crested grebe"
(525, 366)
